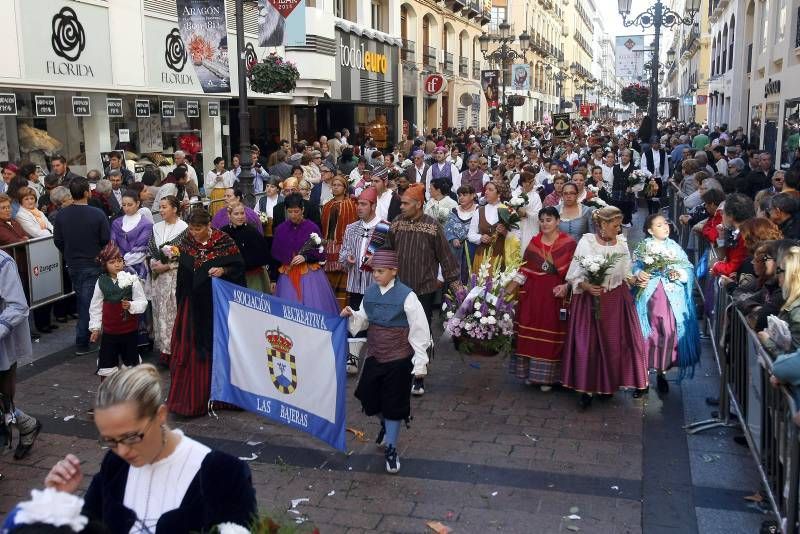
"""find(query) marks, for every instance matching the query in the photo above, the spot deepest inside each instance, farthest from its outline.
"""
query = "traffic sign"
(561, 124)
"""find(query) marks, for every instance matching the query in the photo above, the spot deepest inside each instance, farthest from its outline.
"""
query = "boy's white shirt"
(138, 304)
(419, 335)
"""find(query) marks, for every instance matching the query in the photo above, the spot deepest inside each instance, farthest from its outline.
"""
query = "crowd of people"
(381, 236)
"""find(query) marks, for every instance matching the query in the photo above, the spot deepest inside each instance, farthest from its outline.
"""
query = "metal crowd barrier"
(748, 400)
(41, 269)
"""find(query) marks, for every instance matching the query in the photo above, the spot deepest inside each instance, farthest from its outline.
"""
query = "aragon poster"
(205, 37)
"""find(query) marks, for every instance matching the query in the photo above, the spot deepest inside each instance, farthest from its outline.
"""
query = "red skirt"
(190, 386)
(540, 332)
(601, 356)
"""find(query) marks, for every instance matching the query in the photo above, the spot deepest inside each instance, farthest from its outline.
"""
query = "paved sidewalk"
(484, 454)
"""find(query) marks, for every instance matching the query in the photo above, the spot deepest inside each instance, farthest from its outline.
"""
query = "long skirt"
(661, 346)
(190, 389)
(218, 193)
(315, 289)
(540, 332)
(163, 289)
(605, 354)
(258, 280)
(338, 282)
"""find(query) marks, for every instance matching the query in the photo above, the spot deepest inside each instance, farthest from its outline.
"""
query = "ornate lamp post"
(503, 55)
(657, 16)
(245, 176)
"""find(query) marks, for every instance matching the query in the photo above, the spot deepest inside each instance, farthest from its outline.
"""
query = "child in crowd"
(398, 337)
(117, 300)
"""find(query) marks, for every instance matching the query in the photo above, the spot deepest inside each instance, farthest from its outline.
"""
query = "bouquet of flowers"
(125, 281)
(595, 268)
(314, 242)
(508, 216)
(595, 202)
(519, 201)
(481, 315)
(170, 254)
(659, 260)
(637, 180)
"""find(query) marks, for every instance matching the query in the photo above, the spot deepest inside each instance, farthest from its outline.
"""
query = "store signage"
(213, 109)
(124, 135)
(434, 84)
(201, 24)
(357, 57)
(192, 108)
(81, 106)
(142, 109)
(72, 44)
(167, 109)
(772, 87)
(114, 106)
(8, 104)
(561, 125)
(45, 106)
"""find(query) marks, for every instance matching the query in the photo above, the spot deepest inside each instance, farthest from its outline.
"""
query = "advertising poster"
(205, 37)
(489, 84)
(281, 22)
(521, 77)
(629, 50)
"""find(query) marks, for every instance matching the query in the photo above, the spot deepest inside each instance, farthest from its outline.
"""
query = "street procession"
(287, 266)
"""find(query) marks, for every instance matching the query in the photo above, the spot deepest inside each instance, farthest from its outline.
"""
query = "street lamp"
(657, 16)
(245, 176)
(504, 54)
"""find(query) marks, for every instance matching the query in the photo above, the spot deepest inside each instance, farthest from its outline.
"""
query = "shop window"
(375, 121)
(27, 137)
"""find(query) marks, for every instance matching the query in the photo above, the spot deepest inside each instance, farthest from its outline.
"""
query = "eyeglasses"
(780, 270)
(130, 439)
(766, 257)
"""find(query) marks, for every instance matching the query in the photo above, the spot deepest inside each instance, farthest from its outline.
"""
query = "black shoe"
(663, 385)
(712, 401)
(379, 440)
(585, 401)
(740, 440)
(639, 393)
(22, 450)
(392, 460)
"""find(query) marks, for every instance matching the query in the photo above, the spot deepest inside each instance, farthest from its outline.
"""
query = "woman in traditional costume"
(664, 302)
(440, 204)
(205, 253)
(163, 252)
(301, 279)
(253, 248)
(216, 182)
(456, 230)
(490, 233)
(541, 313)
(337, 213)
(605, 348)
(576, 218)
(234, 197)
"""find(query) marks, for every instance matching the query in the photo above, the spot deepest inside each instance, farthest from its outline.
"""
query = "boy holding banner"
(398, 337)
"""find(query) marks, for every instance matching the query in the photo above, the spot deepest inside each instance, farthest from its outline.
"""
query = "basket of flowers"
(274, 75)
(480, 315)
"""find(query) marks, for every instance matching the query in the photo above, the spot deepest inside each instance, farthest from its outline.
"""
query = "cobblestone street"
(483, 454)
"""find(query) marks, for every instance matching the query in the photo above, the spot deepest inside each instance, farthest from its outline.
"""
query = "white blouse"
(223, 181)
(154, 489)
(31, 225)
(590, 246)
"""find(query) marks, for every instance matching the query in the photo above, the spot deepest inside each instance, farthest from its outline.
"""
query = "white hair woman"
(154, 479)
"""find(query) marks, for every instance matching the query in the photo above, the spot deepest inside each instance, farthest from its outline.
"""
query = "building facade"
(578, 50)
(772, 70)
(727, 99)
(441, 38)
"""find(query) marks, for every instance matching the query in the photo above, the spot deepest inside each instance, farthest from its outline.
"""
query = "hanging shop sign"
(8, 104)
(45, 106)
(114, 107)
(281, 22)
(167, 109)
(434, 84)
(142, 109)
(204, 35)
(561, 125)
(65, 42)
(213, 109)
(81, 106)
(192, 108)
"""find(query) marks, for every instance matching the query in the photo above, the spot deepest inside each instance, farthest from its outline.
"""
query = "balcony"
(429, 58)
(456, 5)
(476, 69)
(474, 8)
(448, 63)
(408, 52)
(463, 67)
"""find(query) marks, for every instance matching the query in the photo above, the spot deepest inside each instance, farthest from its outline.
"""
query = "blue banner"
(280, 360)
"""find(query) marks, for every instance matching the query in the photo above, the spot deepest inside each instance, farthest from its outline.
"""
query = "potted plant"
(274, 75)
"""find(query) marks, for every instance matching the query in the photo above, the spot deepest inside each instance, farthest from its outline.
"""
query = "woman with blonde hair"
(604, 350)
(789, 279)
(195, 487)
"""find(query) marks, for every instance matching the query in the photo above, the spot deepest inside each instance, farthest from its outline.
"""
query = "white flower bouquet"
(52, 507)
(658, 260)
(595, 268)
(480, 315)
(519, 201)
(637, 180)
(595, 202)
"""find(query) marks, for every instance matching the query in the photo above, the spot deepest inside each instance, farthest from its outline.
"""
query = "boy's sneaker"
(380, 441)
(392, 460)
(352, 364)
(418, 387)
